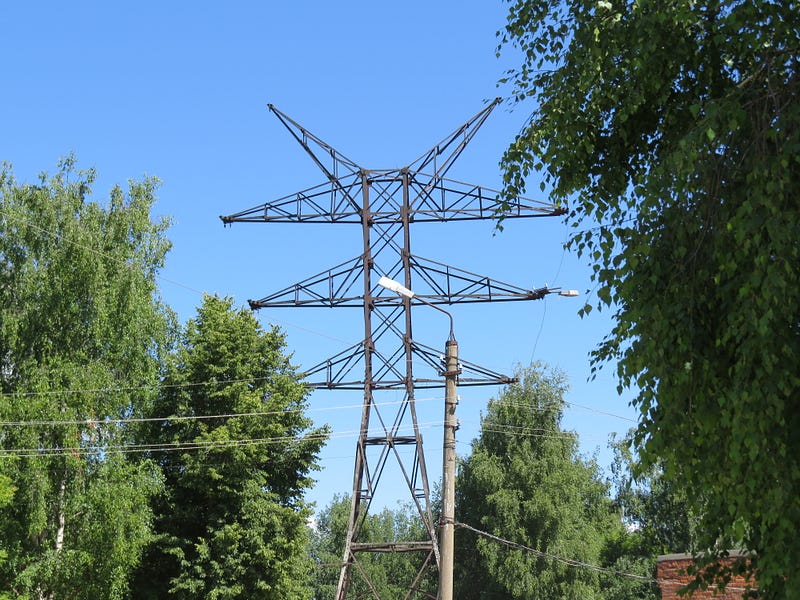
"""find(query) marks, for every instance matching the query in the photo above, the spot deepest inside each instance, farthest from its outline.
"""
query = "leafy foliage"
(654, 508)
(238, 456)
(81, 331)
(658, 520)
(390, 573)
(676, 125)
(525, 482)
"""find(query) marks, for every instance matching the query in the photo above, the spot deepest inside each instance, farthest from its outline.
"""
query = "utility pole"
(447, 530)
(383, 204)
(447, 520)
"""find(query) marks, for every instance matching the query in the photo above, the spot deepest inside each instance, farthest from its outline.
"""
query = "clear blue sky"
(180, 90)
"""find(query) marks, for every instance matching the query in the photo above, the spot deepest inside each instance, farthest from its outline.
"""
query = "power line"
(600, 412)
(217, 444)
(541, 328)
(523, 431)
(125, 264)
(567, 561)
(140, 388)
(536, 407)
(580, 564)
(175, 418)
(196, 444)
(62, 238)
(158, 387)
(82, 451)
(147, 387)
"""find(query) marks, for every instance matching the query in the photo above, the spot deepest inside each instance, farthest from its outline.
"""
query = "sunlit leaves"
(81, 333)
(233, 521)
(525, 482)
(675, 125)
(390, 573)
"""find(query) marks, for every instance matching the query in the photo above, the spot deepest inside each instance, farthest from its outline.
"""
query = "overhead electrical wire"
(99, 449)
(555, 278)
(523, 431)
(577, 563)
(201, 293)
(489, 426)
(536, 407)
(62, 238)
(134, 388)
(89, 450)
(570, 562)
(255, 379)
(126, 420)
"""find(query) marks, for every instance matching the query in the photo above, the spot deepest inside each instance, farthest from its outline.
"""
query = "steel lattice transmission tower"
(384, 203)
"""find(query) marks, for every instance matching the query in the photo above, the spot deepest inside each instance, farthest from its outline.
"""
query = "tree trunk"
(61, 521)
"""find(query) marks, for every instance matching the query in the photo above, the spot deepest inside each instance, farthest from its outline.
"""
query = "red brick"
(671, 575)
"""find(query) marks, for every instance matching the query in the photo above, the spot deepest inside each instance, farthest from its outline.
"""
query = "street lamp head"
(391, 284)
(568, 293)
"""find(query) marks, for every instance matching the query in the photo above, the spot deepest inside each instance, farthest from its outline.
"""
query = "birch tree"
(81, 332)
(672, 129)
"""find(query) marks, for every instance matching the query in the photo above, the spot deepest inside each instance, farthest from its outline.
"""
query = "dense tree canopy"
(525, 482)
(675, 125)
(237, 454)
(81, 333)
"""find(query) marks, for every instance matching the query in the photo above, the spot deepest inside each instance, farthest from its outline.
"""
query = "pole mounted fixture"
(448, 518)
(391, 284)
(384, 204)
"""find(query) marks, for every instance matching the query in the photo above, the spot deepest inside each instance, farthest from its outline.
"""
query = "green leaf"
(683, 121)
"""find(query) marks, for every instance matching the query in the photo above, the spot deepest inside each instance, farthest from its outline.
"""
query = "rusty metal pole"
(447, 549)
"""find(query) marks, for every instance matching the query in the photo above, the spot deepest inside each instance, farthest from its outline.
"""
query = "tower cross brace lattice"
(384, 204)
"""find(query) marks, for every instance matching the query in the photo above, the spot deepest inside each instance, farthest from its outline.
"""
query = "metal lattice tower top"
(385, 203)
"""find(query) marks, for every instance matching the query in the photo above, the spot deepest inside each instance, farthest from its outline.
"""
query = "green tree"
(525, 482)
(81, 331)
(658, 520)
(676, 125)
(6, 494)
(655, 508)
(390, 573)
(238, 453)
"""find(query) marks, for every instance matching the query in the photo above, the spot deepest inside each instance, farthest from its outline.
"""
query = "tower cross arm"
(438, 283)
(328, 202)
(442, 156)
(338, 286)
(440, 199)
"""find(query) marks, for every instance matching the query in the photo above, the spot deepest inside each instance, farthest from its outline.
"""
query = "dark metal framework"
(385, 203)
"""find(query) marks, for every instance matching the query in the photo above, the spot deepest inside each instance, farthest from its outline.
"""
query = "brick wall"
(671, 574)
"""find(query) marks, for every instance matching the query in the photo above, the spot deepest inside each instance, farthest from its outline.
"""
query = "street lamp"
(398, 288)
(447, 523)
